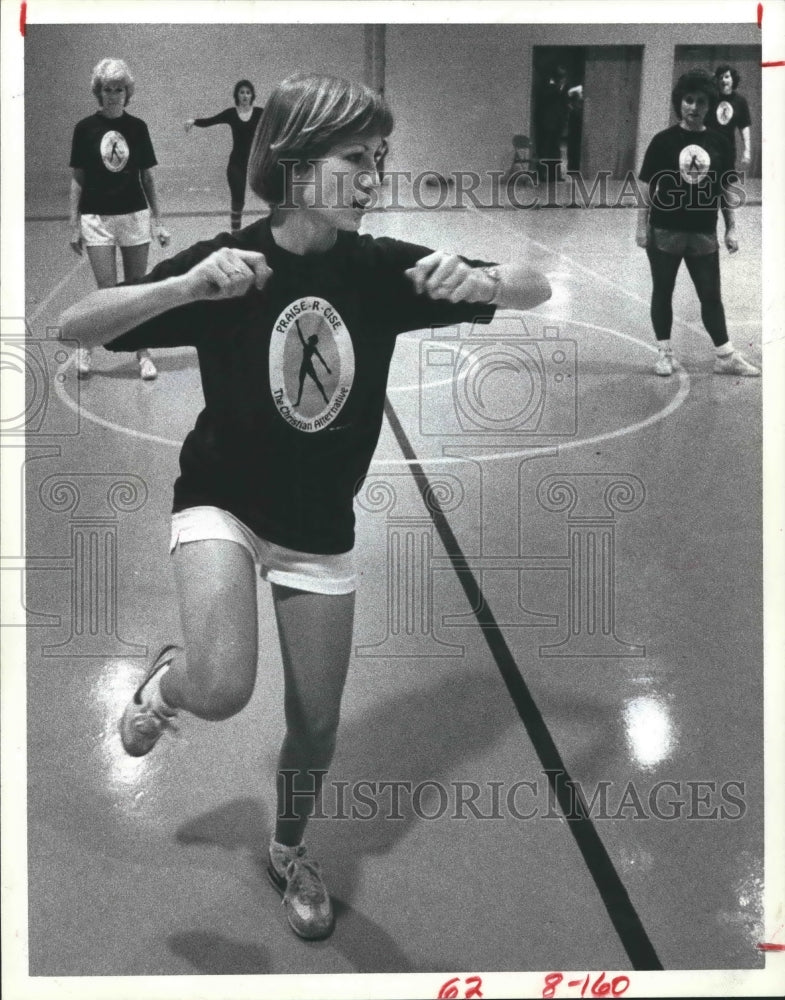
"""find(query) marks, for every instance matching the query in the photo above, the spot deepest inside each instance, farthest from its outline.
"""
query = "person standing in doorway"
(556, 104)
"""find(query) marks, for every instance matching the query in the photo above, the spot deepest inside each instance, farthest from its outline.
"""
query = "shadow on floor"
(215, 955)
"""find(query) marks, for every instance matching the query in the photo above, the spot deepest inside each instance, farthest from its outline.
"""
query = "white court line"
(675, 403)
(72, 404)
(582, 267)
(57, 288)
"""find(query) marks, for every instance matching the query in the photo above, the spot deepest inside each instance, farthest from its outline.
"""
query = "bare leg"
(316, 636)
(103, 261)
(135, 266)
(216, 586)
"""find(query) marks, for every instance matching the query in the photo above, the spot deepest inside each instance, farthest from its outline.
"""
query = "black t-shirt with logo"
(689, 174)
(733, 112)
(242, 132)
(112, 152)
(294, 379)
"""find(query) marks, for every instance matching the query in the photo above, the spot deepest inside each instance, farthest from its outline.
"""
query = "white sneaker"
(142, 724)
(84, 362)
(147, 369)
(735, 364)
(307, 902)
(664, 364)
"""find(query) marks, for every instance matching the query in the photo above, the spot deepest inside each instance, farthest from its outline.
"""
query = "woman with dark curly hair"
(242, 119)
(688, 176)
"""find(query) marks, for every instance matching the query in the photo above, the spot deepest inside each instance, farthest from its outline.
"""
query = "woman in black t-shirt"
(243, 119)
(111, 188)
(732, 113)
(270, 471)
(687, 176)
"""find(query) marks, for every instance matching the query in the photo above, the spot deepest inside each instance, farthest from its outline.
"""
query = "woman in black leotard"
(242, 119)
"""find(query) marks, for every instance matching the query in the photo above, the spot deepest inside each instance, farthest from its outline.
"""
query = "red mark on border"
(777, 62)
(22, 19)
(770, 947)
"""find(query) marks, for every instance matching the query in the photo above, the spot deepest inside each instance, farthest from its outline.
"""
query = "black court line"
(614, 895)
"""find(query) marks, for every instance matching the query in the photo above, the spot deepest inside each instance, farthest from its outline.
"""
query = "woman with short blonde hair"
(113, 192)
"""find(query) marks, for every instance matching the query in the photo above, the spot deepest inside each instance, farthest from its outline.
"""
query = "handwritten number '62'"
(449, 990)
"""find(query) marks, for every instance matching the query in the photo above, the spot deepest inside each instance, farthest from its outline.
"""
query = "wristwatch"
(493, 273)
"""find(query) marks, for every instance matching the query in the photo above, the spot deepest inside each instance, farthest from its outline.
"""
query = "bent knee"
(222, 701)
(219, 695)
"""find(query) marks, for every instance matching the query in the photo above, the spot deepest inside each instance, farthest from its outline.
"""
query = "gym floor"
(582, 602)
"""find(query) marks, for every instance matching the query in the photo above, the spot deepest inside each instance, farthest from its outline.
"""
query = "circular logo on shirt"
(311, 364)
(724, 112)
(114, 151)
(694, 163)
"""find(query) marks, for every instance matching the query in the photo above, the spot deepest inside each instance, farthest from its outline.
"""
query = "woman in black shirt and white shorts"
(271, 468)
(113, 192)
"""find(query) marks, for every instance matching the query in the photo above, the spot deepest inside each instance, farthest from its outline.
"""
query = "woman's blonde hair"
(112, 70)
(304, 117)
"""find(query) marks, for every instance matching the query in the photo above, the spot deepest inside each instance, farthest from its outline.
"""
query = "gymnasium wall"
(459, 92)
(181, 71)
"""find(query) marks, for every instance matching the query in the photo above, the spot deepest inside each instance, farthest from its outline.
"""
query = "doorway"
(601, 129)
(556, 108)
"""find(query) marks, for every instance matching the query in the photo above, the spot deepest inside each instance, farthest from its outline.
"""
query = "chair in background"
(523, 161)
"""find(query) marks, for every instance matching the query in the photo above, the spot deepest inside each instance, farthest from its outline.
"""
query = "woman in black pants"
(688, 178)
(242, 119)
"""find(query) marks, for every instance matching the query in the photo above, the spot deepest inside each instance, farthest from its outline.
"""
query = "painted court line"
(55, 291)
(653, 418)
(610, 887)
(595, 275)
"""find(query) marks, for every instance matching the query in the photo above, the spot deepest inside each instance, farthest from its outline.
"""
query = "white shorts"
(131, 230)
(320, 574)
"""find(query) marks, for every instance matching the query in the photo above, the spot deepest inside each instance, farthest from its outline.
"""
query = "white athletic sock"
(725, 351)
(664, 347)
